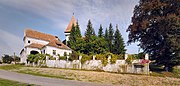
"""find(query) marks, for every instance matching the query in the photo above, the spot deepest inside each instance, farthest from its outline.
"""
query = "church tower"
(69, 27)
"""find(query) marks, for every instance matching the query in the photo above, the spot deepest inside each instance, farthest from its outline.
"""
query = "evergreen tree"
(72, 38)
(90, 30)
(156, 25)
(119, 46)
(100, 32)
(106, 36)
(78, 32)
(90, 37)
(110, 38)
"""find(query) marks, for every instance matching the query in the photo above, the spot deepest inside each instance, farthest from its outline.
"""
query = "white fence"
(118, 66)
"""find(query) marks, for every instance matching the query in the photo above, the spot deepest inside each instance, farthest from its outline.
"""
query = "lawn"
(98, 77)
(5, 82)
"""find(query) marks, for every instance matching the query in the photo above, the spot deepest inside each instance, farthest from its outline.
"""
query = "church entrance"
(34, 52)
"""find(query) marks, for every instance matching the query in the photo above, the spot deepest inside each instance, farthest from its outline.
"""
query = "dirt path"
(44, 81)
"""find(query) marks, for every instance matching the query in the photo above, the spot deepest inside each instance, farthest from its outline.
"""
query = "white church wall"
(33, 40)
(49, 50)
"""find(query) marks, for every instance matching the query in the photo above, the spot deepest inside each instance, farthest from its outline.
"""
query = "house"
(37, 42)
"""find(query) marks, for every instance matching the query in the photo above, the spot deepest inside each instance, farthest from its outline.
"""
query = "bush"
(74, 56)
(85, 58)
(103, 58)
(62, 57)
(7, 59)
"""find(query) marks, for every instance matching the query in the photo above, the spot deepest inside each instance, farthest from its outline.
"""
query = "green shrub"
(62, 57)
(73, 56)
(85, 58)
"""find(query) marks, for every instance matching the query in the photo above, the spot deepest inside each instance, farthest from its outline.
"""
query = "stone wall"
(120, 66)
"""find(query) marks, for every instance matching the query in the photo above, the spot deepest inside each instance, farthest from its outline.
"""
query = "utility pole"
(14, 58)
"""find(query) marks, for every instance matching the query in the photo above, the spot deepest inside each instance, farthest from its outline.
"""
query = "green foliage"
(129, 59)
(110, 38)
(119, 46)
(157, 27)
(7, 59)
(89, 31)
(34, 58)
(85, 58)
(5, 82)
(74, 56)
(100, 32)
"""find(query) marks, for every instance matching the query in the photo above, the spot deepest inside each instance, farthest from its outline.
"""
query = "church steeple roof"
(69, 27)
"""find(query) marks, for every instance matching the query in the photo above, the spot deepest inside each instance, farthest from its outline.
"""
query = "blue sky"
(53, 16)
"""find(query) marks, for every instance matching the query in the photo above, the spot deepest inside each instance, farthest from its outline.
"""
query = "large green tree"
(90, 37)
(100, 32)
(75, 38)
(111, 37)
(72, 38)
(89, 31)
(118, 46)
(156, 25)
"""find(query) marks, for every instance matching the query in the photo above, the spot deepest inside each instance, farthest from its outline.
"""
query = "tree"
(100, 32)
(89, 31)
(156, 25)
(7, 59)
(90, 38)
(106, 36)
(110, 38)
(72, 38)
(77, 30)
(119, 46)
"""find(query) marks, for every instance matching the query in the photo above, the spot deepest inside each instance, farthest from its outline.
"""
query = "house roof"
(39, 35)
(57, 44)
(53, 40)
(69, 27)
(35, 45)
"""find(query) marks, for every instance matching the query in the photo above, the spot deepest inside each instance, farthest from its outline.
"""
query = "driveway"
(44, 81)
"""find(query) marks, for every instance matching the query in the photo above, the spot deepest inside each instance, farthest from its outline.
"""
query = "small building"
(37, 42)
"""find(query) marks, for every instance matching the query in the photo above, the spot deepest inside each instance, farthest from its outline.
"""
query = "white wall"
(33, 40)
(49, 50)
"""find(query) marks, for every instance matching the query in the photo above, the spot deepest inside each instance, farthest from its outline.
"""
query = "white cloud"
(60, 11)
(9, 43)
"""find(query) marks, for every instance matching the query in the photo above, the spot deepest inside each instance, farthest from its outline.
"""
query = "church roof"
(39, 35)
(57, 44)
(35, 45)
(69, 27)
(53, 40)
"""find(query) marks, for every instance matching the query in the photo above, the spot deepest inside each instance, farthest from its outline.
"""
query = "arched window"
(34, 52)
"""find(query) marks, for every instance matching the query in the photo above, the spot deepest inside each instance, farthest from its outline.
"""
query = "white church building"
(37, 42)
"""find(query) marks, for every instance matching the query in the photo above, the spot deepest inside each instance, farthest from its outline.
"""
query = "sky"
(53, 16)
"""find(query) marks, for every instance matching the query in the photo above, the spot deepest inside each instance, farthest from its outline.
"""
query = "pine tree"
(78, 32)
(90, 37)
(72, 38)
(100, 32)
(156, 25)
(119, 46)
(106, 36)
(90, 30)
(111, 38)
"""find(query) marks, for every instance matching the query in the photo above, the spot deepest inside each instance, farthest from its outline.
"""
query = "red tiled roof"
(39, 35)
(57, 44)
(53, 40)
(69, 27)
(35, 45)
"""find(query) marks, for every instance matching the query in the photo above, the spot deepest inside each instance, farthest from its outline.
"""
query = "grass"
(5, 82)
(10, 67)
(99, 77)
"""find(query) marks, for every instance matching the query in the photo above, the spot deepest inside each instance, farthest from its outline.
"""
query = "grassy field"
(100, 77)
(4, 82)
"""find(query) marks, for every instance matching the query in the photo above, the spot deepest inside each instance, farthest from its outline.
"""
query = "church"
(37, 42)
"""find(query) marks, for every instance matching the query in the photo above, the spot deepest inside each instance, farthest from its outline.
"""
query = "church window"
(28, 41)
(54, 52)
